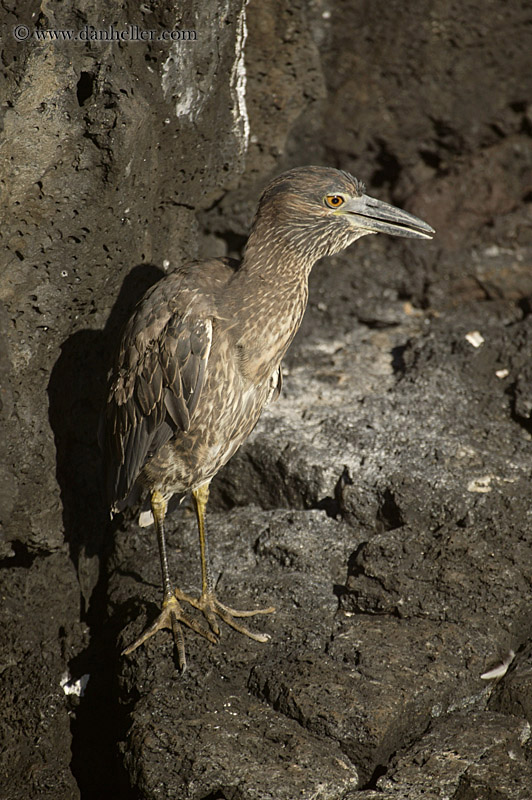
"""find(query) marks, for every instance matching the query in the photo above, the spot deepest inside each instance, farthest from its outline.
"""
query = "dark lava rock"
(382, 504)
(388, 614)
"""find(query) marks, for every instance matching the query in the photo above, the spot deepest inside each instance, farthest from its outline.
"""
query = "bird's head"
(319, 211)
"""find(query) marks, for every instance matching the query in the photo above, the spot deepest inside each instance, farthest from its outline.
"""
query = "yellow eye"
(334, 200)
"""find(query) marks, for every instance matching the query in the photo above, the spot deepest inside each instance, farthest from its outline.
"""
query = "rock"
(448, 761)
(381, 505)
(434, 587)
(37, 643)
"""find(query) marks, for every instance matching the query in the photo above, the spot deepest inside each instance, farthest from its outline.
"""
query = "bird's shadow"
(77, 391)
(76, 394)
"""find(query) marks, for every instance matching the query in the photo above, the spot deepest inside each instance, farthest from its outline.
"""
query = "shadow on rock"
(77, 391)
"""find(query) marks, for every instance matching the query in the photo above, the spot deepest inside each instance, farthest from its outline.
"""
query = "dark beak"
(374, 216)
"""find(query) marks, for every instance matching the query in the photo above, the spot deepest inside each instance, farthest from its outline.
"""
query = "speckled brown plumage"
(201, 355)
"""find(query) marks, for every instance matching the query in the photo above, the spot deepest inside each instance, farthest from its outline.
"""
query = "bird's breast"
(228, 409)
(266, 333)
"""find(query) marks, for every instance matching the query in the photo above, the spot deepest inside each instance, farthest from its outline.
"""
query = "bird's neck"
(272, 297)
(276, 259)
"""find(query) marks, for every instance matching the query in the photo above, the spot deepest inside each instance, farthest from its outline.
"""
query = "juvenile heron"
(201, 356)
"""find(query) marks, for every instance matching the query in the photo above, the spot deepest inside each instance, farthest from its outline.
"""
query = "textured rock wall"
(382, 505)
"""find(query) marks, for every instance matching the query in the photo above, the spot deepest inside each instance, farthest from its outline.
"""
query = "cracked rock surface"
(382, 504)
(394, 594)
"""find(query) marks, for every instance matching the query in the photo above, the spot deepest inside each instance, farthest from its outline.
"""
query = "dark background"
(382, 505)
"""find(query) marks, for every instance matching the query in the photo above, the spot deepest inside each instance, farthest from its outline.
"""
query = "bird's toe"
(173, 617)
(211, 608)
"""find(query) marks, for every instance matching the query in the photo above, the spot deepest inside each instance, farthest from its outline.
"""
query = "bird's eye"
(334, 200)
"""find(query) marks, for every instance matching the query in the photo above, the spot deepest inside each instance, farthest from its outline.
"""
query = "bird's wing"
(156, 382)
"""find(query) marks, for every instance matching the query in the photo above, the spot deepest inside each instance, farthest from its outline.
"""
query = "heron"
(201, 356)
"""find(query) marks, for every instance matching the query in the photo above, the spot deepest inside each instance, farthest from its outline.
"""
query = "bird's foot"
(210, 607)
(172, 616)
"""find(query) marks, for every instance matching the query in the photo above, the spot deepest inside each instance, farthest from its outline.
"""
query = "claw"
(172, 616)
(210, 606)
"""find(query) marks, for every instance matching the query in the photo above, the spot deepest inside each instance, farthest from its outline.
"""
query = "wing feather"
(156, 383)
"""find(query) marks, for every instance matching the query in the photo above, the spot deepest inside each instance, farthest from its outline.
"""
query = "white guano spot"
(500, 670)
(239, 80)
(77, 687)
(178, 68)
(480, 485)
(475, 338)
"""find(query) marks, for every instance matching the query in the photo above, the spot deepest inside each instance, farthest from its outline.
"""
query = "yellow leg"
(172, 615)
(201, 497)
(208, 603)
